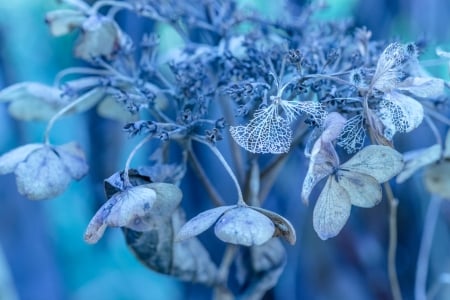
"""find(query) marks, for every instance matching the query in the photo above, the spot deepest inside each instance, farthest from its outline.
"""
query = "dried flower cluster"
(261, 83)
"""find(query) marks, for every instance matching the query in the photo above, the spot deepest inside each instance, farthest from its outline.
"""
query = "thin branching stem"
(80, 71)
(58, 115)
(99, 4)
(425, 248)
(392, 269)
(434, 129)
(201, 174)
(227, 167)
(126, 177)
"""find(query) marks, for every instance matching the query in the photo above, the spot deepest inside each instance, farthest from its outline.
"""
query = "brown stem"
(392, 270)
(201, 174)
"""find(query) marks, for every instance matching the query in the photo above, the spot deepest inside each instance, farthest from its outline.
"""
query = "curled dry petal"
(244, 226)
(134, 208)
(283, 227)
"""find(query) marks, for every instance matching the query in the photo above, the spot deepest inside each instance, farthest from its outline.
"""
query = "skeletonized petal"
(267, 132)
(10, 160)
(332, 210)
(363, 190)
(201, 222)
(380, 162)
(244, 226)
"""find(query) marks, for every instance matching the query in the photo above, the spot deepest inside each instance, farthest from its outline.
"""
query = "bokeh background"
(42, 252)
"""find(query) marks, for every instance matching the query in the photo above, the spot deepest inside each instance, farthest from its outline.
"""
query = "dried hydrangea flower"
(239, 224)
(43, 171)
(134, 208)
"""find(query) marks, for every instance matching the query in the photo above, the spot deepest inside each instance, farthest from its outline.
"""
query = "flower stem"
(126, 177)
(392, 270)
(425, 248)
(59, 114)
(226, 166)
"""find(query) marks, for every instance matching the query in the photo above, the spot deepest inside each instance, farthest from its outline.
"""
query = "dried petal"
(10, 160)
(380, 162)
(332, 210)
(111, 109)
(423, 87)
(201, 222)
(63, 21)
(74, 159)
(244, 226)
(399, 113)
(417, 159)
(437, 179)
(42, 175)
(353, 135)
(283, 227)
(134, 208)
(100, 37)
(389, 67)
(267, 132)
(363, 190)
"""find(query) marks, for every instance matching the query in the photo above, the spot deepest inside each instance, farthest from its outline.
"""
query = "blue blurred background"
(42, 252)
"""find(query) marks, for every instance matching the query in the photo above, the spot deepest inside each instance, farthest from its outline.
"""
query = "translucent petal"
(417, 159)
(424, 87)
(437, 179)
(267, 132)
(42, 175)
(74, 159)
(10, 160)
(244, 226)
(323, 162)
(313, 109)
(201, 222)
(283, 227)
(380, 162)
(332, 210)
(389, 67)
(363, 190)
(131, 208)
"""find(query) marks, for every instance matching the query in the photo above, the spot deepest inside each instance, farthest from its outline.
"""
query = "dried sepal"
(332, 210)
(423, 87)
(63, 21)
(134, 208)
(100, 38)
(417, 159)
(44, 171)
(201, 222)
(363, 190)
(399, 113)
(353, 135)
(283, 227)
(31, 101)
(380, 162)
(267, 132)
(244, 226)
(437, 178)
(10, 160)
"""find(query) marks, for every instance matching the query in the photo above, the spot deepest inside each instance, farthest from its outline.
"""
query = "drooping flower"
(240, 225)
(44, 171)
